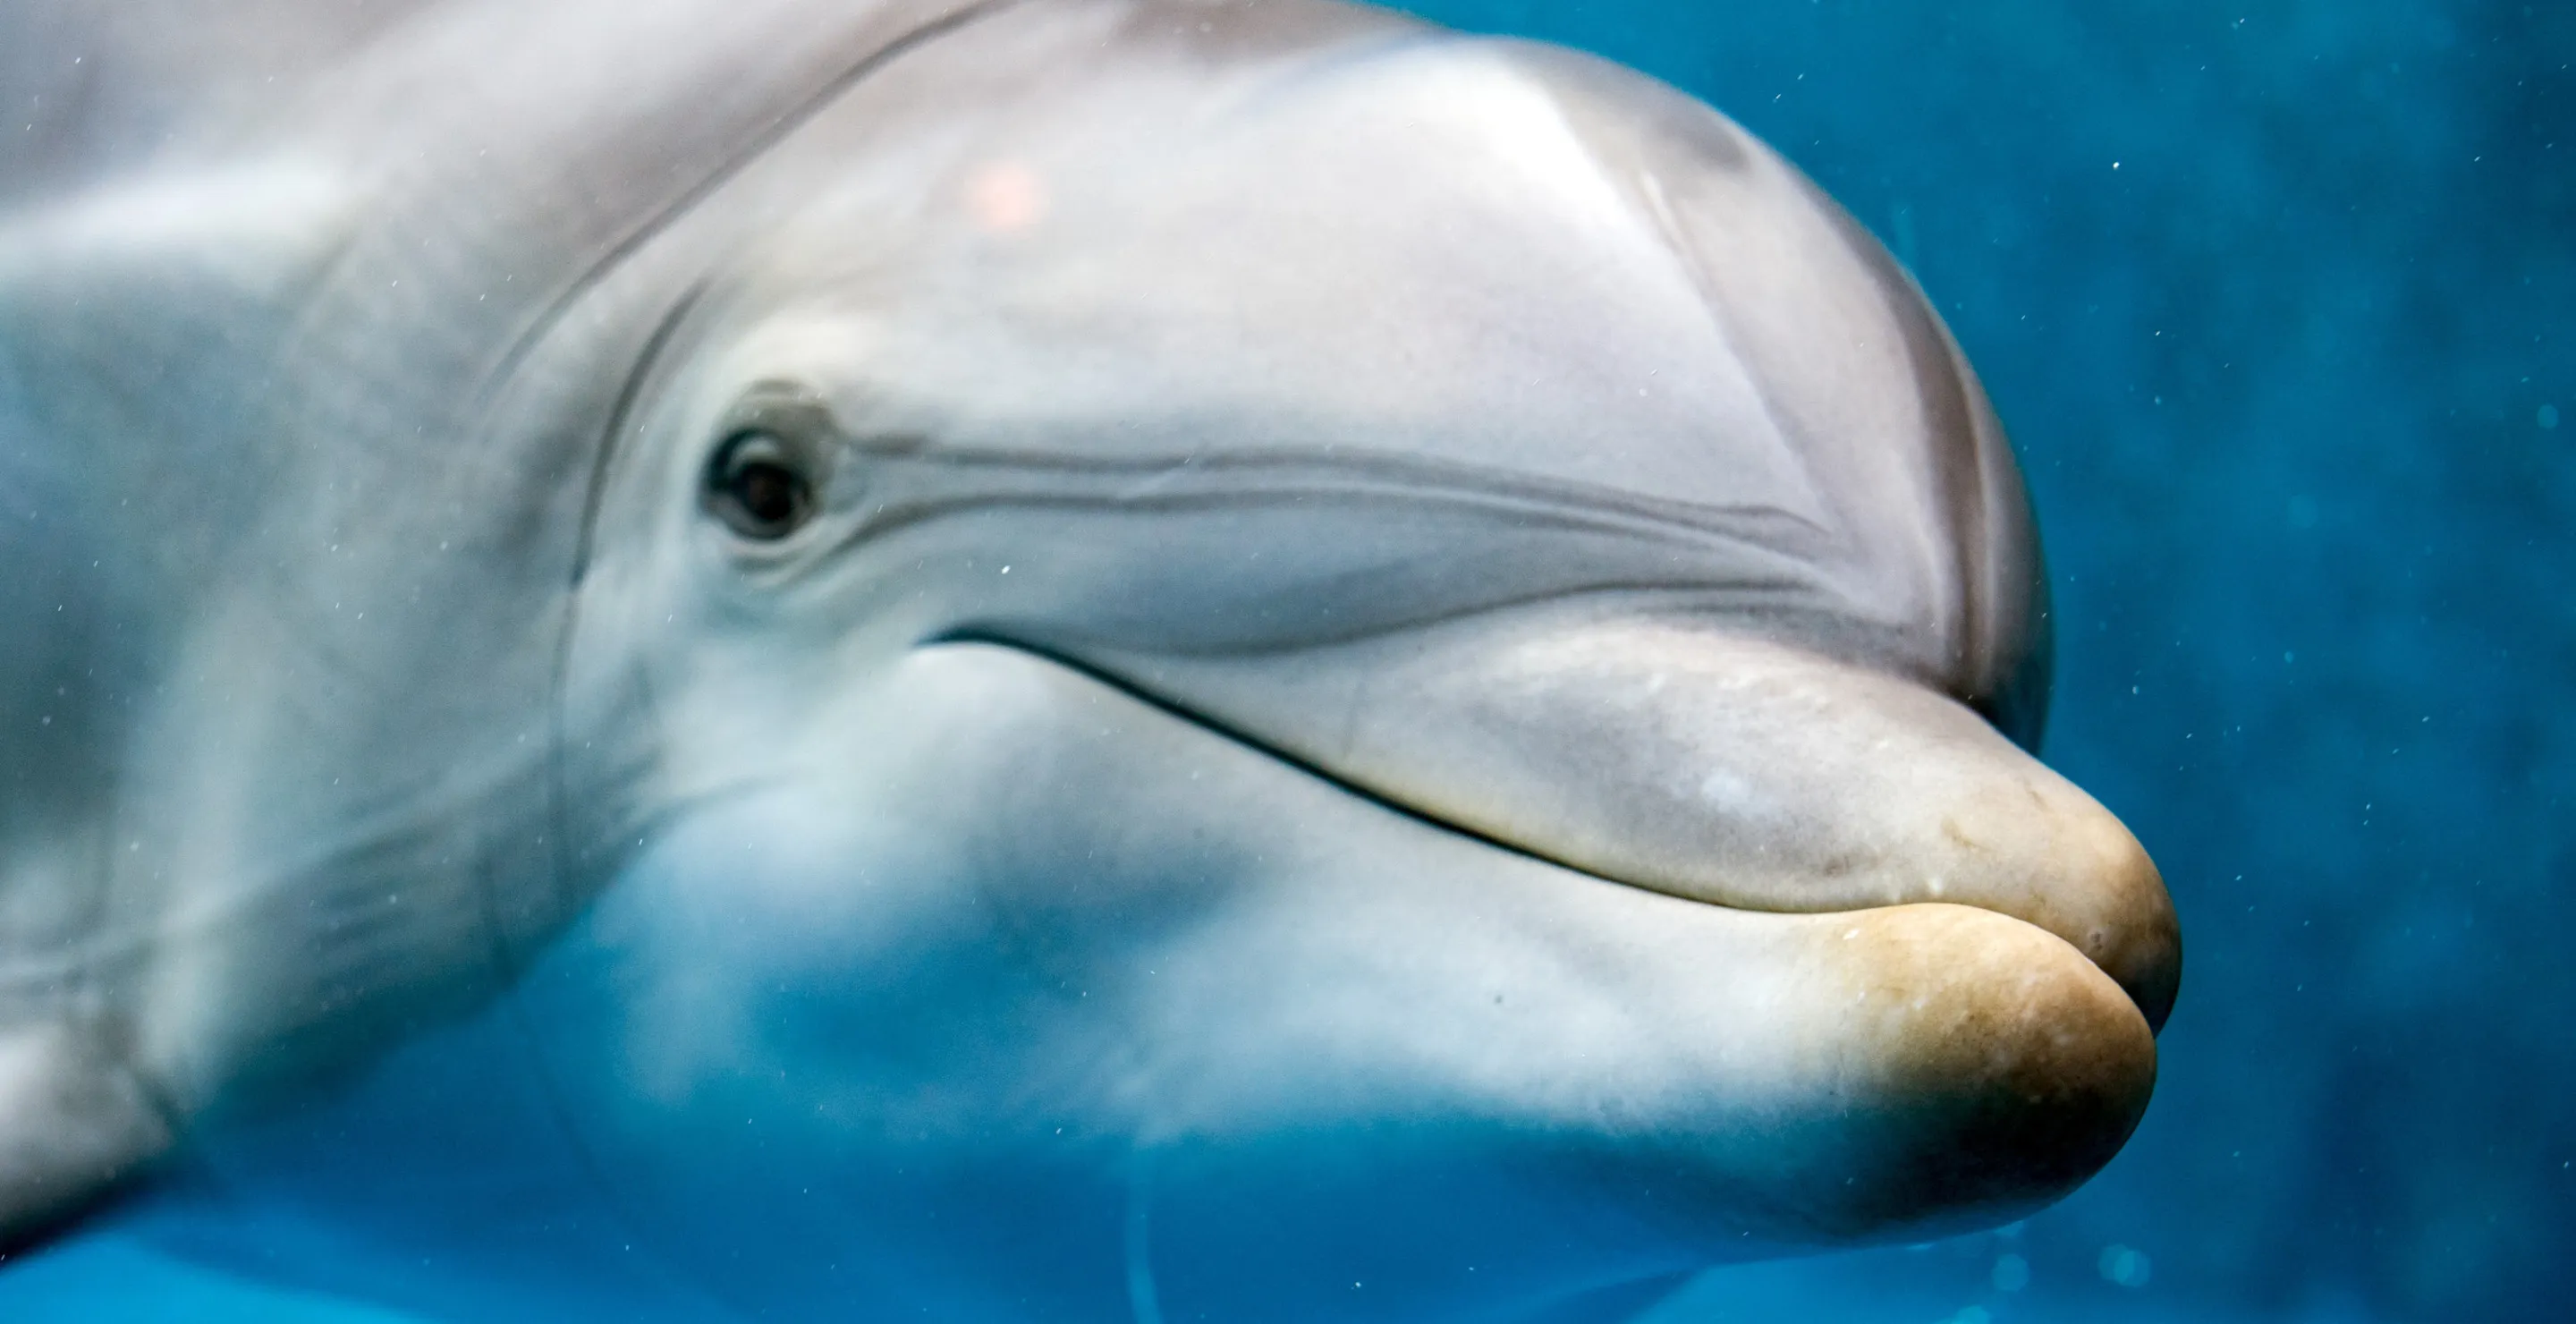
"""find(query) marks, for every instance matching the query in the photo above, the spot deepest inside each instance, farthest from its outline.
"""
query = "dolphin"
(1088, 659)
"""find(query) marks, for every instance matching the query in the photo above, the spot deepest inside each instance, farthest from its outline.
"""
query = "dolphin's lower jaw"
(1310, 1028)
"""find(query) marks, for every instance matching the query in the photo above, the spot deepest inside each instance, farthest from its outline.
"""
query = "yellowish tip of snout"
(2004, 1068)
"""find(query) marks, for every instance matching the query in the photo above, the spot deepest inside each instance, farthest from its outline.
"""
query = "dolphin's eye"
(756, 484)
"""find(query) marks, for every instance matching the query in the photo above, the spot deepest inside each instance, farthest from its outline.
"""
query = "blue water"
(2276, 302)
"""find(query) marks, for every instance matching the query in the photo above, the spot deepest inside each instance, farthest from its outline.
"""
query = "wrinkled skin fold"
(1372, 675)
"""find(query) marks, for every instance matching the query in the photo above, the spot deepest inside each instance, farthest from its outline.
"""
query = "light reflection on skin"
(1005, 198)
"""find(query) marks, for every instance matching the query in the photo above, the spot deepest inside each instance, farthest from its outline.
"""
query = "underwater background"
(2275, 299)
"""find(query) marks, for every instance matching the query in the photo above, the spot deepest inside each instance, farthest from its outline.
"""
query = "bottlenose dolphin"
(1076, 658)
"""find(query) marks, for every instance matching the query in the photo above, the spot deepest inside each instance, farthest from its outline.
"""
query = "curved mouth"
(1251, 742)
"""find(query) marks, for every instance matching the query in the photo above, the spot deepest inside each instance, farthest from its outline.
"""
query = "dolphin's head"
(1301, 668)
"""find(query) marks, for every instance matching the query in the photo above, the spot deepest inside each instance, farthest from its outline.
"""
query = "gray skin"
(1401, 652)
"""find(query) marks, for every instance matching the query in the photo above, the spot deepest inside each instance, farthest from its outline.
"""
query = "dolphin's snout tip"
(2095, 886)
(2006, 1066)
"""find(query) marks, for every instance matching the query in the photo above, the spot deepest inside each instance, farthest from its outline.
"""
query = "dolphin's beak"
(1959, 944)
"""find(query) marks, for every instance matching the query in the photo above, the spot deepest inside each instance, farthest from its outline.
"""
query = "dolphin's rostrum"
(1092, 658)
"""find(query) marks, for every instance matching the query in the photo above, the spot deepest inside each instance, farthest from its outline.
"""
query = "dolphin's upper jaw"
(1704, 764)
(1980, 949)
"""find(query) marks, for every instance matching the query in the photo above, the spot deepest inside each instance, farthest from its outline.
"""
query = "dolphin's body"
(1077, 658)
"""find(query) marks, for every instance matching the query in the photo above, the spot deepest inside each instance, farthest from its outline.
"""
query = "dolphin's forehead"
(1463, 266)
(1406, 255)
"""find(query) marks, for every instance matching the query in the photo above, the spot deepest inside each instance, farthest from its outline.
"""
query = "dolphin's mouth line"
(1255, 744)
(1245, 740)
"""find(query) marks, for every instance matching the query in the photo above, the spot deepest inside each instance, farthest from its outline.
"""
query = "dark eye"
(756, 484)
